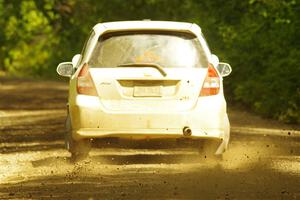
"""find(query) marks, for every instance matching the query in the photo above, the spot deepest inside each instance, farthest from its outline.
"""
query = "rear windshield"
(167, 49)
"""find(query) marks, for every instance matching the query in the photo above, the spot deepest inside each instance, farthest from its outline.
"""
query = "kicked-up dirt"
(35, 165)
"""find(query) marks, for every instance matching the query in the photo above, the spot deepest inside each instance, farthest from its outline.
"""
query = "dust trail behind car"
(34, 164)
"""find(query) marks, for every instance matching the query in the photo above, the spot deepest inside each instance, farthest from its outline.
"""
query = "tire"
(79, 149)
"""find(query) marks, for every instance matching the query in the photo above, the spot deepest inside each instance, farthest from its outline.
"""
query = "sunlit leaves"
(29, 39)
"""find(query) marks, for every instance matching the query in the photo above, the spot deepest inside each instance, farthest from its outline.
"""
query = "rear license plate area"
(147, 91)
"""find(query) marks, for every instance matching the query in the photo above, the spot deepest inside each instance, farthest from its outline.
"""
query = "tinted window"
(168, 49)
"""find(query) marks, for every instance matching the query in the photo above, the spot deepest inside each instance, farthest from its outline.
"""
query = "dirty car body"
(146, 79)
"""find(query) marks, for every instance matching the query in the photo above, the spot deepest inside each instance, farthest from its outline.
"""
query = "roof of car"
(145, 24)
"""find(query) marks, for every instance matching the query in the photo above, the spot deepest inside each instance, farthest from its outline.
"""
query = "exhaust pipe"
(187, 131)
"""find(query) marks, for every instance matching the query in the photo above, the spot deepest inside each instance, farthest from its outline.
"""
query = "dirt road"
(34, 164)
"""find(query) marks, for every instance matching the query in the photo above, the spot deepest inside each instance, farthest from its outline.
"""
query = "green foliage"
(259, 38)
(266, 79)
(1, 33)
(28, 39)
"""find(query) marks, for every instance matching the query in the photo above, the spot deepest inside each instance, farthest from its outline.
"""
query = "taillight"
(211, 85)
(85, 84)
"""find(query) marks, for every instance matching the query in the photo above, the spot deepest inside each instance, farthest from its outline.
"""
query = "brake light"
(211, 85)
(85, 84)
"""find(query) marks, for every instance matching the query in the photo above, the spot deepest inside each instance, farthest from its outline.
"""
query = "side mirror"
(65, 69)
(224, 69)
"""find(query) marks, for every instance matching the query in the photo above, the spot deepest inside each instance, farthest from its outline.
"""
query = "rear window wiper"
(153, 65)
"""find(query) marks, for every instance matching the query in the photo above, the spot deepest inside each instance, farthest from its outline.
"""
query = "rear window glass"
(167, 49)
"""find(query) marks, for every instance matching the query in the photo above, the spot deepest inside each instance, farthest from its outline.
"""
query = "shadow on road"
(32, 95)
(42, 132)
(34, 165)
(163, 180)
(253, 168)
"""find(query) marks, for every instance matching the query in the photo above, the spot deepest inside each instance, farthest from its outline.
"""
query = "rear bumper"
(143, 133)
(206, 120)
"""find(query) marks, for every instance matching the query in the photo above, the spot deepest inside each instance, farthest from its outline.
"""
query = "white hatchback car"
(145, 79)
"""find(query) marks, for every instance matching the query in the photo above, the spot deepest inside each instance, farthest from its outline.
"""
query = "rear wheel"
(79, 149)
(207, 150)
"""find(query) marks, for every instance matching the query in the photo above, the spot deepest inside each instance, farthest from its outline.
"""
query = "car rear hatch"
(148, 70)
(146, 89)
